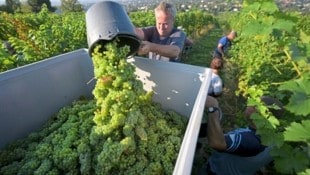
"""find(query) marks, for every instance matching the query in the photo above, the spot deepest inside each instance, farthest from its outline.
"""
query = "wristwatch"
(213, 109)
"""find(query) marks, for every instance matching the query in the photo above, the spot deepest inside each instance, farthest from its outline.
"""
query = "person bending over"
(224, 44)
(239, 151)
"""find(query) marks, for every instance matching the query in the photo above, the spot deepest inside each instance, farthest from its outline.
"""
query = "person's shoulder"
(179, 30)
(240, 131)
(224, 38)
(149, 28)
(149, 32)
(214, 75)
(217, 83)
(177, 33)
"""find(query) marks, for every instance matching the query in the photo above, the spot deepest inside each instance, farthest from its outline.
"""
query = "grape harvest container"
(29, 95)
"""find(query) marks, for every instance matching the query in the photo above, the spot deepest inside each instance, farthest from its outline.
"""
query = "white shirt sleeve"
(216, 85)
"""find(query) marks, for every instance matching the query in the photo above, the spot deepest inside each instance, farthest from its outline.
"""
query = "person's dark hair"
(216, 63)
(269, 101)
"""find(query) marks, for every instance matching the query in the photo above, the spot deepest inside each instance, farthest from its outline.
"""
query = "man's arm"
(215, 134)
(139, 32)
(221, 44)
(171, 51)
(220, 49)
(242, 141)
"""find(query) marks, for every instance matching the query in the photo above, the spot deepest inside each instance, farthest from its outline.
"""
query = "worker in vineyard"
(215, 88)
(239, 151)
(224, 44)
(163, 41)
(216, 84)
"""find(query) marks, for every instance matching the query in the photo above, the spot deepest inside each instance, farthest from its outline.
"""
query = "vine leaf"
(257, 28)
(297, 160)
(306, 172)
(283, 24)
(300, 100)
(289, 159)
(298, 132)
(270, 7)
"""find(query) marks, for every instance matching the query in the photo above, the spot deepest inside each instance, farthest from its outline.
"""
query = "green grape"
(45, 167)
(43, 150)
(141, 133)
(29, 166)
(11, 169)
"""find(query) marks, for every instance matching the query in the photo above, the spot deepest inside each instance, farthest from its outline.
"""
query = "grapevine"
(277, 44)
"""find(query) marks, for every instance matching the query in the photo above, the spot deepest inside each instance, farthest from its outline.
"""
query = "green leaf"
(304, 37)
(298, 132)
(283, 24)
(7, 62)
(270, 137)
(256, 28)
(270, 7)
(300, 100)
(290, 159)
(306, 172)
(283, 159)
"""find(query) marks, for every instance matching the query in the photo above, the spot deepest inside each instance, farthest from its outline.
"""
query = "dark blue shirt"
(243, 142)
(177, 38)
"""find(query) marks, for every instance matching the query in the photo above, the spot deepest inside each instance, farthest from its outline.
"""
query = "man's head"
(216, 63)
(268, 101)
(165, 14)
(232, 35)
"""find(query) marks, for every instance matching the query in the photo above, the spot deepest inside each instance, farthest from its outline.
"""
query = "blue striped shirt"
(243, 142)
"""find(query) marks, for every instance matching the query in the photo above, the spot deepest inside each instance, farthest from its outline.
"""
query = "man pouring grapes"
(162, 41)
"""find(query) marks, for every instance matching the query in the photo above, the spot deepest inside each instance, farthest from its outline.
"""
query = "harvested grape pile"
(120, 131)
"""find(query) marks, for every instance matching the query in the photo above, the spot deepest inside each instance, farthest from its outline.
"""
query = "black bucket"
(107, 21)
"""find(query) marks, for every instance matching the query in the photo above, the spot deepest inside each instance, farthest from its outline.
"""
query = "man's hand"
(144, 48)
(169, 51)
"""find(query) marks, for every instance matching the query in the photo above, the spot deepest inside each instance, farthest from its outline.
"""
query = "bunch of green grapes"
(61, 146)
(135, 135)
(121, 131)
